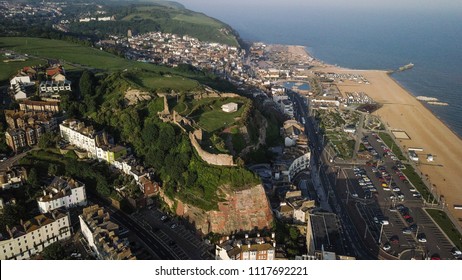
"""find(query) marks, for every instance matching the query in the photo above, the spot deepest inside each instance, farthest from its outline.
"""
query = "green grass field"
(447, 226)
(77, 57)
(212, 118)
(178, 83)
(199, 19)
(9, 69)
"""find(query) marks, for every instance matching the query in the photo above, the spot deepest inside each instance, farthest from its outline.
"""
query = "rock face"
(243, 210)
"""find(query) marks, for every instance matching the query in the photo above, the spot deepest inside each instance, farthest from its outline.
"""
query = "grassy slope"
(9, 69)
(181, 21)
(77, 56)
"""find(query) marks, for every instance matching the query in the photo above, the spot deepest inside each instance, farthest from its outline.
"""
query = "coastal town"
(340, 175)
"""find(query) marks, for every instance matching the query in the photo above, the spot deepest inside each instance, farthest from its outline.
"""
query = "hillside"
(75, 58)
(161, 16)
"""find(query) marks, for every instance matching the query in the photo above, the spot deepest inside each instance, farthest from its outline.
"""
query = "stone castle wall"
(213, 159)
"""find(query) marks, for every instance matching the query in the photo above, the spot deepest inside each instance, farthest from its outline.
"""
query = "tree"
(47, 140)
(32, 177)
(55, 251)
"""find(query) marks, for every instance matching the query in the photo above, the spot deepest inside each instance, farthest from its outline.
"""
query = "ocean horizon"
(366, 39)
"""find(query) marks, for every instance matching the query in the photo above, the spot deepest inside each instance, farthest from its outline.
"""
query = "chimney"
(246, 236)
(258, 234)
(248, 246)
(273, 235)
(274, 245)
(227, 237)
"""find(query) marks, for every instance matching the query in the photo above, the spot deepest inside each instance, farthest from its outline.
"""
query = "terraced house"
(31, 237)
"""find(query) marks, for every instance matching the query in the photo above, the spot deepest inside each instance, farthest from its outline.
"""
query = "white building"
(32, 236)
(79, 135)
(299, 164)
(62, 192)
(229, 107)
(20, 80)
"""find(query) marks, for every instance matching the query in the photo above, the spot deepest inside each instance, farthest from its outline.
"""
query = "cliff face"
(242, 210)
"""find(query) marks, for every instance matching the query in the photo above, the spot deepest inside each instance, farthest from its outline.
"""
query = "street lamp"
(381, 231)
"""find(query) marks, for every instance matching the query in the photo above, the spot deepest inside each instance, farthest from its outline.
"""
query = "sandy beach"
(402, 111)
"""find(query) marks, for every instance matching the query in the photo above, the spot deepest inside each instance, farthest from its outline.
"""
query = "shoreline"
(401, 110)
(425, 104)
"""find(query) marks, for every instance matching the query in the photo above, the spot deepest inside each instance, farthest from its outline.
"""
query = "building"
(323, 234)
(102, 235)
(256, 248)
(52, 88)
(81, 136)
(39, 106)
(148, 187)
(62, 192)
(110, 153)
(13, 178)
(15, 139)
(229, 107)
(296, 151)
(32, 236)
(26, 128)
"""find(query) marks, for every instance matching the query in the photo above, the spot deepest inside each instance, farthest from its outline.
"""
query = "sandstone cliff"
(242, 210)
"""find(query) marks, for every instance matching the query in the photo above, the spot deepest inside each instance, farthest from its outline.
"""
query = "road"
(12, 160)
(143, 232)
(319, 166)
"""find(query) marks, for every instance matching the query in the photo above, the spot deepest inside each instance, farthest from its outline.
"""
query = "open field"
(212, 118)
(8, 69)
(154, 81)
(66, 51)
(78, 57)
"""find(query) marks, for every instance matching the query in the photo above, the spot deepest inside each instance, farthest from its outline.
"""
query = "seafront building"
(101, 235)
(62, 192)
(31, 237)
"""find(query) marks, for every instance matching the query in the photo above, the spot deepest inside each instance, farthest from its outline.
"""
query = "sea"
(365, 38)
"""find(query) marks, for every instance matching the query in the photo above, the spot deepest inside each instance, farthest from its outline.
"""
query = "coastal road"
(319, 166)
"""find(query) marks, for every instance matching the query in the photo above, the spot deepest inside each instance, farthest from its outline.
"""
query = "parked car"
(407, 231)
(422, 238)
